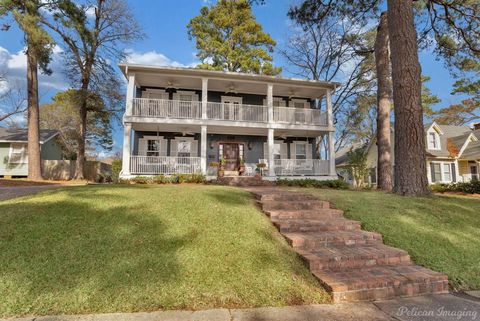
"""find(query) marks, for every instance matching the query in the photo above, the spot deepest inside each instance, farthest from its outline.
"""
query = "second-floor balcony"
(235, 112)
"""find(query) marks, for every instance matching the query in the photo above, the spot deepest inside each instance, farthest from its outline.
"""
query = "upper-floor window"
(433, 140)
(18, 154)
(299, 103)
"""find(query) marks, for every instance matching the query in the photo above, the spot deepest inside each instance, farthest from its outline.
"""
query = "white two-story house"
(183, 120)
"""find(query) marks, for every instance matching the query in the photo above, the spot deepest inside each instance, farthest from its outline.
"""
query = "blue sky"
(167, 42)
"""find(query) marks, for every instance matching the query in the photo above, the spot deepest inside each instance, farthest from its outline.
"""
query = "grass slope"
(439, 232)
(138, 248)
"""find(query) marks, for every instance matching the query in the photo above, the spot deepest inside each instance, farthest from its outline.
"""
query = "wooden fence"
(65, 170)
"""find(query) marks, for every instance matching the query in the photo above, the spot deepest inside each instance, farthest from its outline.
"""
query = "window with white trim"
(184, 147)
(436, 169)
(299, 103)
(300, 151)
(447, 172)
(18, 154)
(433, 140)
(153, 147)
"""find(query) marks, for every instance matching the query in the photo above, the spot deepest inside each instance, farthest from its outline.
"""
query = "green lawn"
(139, 248)
(439, 232)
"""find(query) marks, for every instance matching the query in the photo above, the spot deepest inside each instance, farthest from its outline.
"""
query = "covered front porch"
(171, 150)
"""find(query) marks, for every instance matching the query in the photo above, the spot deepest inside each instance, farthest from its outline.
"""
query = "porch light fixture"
(249, 145)
(211, 145)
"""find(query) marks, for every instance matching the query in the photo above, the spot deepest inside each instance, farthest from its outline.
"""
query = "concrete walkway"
(9, 192)
(443, 307)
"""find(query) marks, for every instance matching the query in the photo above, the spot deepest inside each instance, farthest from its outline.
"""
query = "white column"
(204, 97)
(329, 109)
(331, 154)
(270, 102)
(271, 159)
(203, 150)
(127, 137)
(130, 94)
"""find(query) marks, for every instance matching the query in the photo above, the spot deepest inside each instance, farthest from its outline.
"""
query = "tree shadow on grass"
(87, 250)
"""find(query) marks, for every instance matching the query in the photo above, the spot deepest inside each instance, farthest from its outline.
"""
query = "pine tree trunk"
(80, 163)
(382, 61)
(410, 162)
(34, 161)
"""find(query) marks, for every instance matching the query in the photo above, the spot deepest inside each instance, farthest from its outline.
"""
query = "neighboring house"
(180, 120)
(453, 154)
(13, 150)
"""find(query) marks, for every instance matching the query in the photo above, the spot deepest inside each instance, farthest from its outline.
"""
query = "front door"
(230, 153)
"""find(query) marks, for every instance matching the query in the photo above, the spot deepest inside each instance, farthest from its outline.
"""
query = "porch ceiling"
(190, 78)
(225, 130)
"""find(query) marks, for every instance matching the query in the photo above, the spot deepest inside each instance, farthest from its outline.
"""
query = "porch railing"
(165, 108)
(299, 167)
(237, 112)
(299, 116)
(167, 165)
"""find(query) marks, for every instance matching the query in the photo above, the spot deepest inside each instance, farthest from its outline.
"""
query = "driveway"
(9, 192)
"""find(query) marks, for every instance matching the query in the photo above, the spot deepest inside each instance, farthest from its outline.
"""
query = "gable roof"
(20, 135)
(472, 152)
(457, 135)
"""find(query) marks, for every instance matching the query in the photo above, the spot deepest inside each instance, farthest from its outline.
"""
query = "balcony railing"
(167, 165)
(164, 108)
(237, 112)
(299, 116)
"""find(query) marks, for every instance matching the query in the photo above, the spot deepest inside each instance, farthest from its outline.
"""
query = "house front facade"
(453, 155)
(185, 120)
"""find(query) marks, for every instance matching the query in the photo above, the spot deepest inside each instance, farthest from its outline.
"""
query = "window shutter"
(454, 173)
(142, 147)
(293, 151)
(283, 151)
(173, 148)
(194, 148)
(432, 172)
(309, 151)
(163, 147)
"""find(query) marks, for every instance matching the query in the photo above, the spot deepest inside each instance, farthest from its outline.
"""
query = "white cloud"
(14, 66)
(153, 58)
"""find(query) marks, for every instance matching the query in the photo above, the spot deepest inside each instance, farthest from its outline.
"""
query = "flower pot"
(221, 173)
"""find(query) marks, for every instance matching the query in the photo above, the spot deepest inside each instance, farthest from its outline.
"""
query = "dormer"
(433, 137)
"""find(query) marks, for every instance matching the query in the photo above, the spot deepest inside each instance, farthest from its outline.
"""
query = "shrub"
(116, 168)
(336, 183)
(173, 179)
(141, 180)
(472, 187)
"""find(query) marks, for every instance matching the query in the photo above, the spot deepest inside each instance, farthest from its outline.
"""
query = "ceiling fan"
(171, 85)
(231, 89)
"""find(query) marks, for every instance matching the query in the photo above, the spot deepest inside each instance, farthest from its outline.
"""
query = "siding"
(7, 168)
(251, 155)
(51, 150)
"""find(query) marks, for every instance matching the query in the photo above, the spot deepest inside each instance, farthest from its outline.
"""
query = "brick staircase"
(354, 265)
(244, 181)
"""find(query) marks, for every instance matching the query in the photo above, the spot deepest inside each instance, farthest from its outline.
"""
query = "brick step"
(315, 225)
(340, 257)
(309, 241)
(382, 282)
(294, 205)
(322, 213)
(284, 197)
